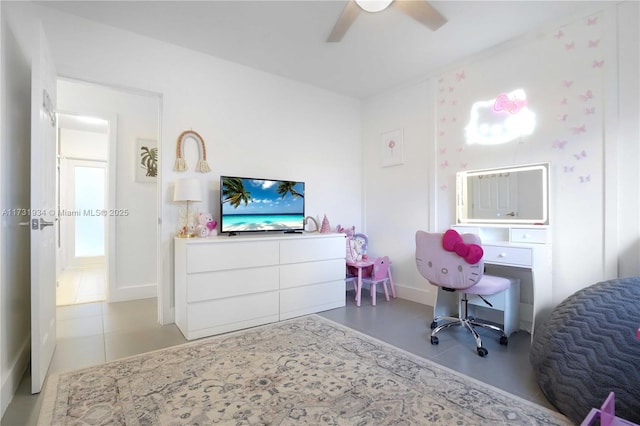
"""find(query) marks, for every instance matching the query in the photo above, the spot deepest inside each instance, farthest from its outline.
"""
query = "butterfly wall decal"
(580, 155)
(588, 95)
(579, 129)
(559, 144)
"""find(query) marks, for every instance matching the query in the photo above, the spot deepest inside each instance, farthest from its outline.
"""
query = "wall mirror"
(517, 194)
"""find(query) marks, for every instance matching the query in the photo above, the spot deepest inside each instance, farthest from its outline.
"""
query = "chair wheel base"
(504, 340)
(434, 325)
(482, 352)
(434, 340)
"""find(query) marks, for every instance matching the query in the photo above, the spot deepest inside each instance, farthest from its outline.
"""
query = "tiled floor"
(95, 333)
(84, 285)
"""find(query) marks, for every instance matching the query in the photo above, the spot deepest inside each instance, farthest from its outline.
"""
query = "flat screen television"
(255, 205)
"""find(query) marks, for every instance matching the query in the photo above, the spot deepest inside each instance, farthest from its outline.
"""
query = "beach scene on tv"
(261, 205)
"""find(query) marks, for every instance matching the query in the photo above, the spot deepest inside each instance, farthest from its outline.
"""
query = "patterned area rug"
(308, 370)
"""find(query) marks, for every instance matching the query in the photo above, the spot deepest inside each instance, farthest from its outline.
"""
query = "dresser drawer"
(312, 249)
(301, 274)
(312, 298)
(528, 235)
(216, 313)
(505, 255)
(229, 283)
(242, 254)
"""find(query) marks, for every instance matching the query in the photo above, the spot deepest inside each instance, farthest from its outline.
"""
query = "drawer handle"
(503, 254)
(525, 236)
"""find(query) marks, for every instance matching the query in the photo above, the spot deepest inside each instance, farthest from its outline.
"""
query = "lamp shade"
(373, 5)
(187, 189)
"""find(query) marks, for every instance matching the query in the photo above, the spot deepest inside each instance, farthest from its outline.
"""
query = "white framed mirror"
(506, 195)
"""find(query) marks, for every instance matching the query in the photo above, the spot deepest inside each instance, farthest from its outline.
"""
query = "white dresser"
(229, 283)
(522, 252)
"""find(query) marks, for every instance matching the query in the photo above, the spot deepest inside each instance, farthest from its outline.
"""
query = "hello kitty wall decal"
(560, 84)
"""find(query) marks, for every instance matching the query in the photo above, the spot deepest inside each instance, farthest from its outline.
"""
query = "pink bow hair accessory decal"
(504, 103)
(471, 253)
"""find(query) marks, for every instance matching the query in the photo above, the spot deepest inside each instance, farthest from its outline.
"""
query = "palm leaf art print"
(149, 161)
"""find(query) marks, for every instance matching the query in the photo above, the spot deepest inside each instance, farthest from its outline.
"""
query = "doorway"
(82, 194)
(110, 229)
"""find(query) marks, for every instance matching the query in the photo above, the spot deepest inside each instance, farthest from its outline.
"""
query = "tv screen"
(249, 204)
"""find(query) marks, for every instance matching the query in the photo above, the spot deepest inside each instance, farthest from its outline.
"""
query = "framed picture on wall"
(146, 160)
(391, 148)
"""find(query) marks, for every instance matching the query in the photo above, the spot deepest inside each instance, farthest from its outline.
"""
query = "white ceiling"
(288, 38)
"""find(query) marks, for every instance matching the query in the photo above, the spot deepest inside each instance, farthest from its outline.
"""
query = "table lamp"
(187, 190)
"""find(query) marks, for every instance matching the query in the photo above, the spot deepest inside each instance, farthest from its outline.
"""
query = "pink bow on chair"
(471, 253)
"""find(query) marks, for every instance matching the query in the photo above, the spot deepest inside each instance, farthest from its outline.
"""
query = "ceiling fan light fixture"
(373, 5)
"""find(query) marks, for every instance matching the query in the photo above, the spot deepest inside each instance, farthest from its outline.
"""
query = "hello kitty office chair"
(454, 263)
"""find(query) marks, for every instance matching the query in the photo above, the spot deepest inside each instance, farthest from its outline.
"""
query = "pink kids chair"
(379, 275)
(454, 263)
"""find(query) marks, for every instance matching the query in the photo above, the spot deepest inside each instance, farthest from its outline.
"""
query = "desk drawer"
(504, 255)
(528, 235)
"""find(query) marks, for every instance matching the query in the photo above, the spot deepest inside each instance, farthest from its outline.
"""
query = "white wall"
(135, 233)
(253, 123)
(627, 184)
(397, 198)
(15, 120)
(581, 211)
(83, 144)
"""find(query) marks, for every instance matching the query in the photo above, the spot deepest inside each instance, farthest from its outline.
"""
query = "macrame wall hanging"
(180, 164)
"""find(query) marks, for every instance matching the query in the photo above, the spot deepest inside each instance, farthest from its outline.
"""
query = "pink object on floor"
(379, 275)
(606, 414)
(360, 270)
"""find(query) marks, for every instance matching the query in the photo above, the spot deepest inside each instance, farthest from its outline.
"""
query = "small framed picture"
(146, 160)
(392, 149)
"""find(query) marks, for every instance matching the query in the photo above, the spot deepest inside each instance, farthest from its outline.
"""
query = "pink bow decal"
(503, 103)
(471, 253)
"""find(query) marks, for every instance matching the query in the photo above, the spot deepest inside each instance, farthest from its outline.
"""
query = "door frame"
(163, 289)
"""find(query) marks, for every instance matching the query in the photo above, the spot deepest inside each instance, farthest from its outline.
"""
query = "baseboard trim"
(144, 291)
(11, 380)
(419, 295)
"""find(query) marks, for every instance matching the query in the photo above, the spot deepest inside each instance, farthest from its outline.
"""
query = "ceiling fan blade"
(422, 12)
(348, 15)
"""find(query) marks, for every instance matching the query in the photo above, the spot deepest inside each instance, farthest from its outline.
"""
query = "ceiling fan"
(420, 10)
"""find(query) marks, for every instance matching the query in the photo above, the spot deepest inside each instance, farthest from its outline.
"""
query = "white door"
(43, 225)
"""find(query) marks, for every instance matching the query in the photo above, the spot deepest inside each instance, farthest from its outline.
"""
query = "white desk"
(522, 252)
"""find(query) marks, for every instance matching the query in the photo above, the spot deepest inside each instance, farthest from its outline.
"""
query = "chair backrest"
(380, 269)
(446, 268)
